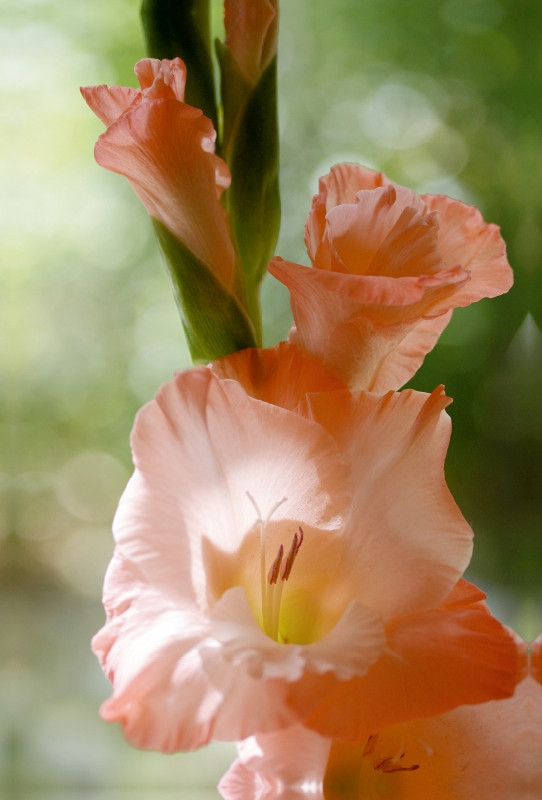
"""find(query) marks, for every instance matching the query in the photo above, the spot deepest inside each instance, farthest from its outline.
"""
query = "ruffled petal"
(166, 79)
(162, 147)
(352, 323)
(464, 238)
(407, 543)
(348, 649)
(279, 375)
(406, 358)
(387, 231)
(450, 655)
(109, 102)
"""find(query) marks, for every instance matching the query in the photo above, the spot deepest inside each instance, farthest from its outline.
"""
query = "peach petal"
(279, 375)
(351, 647)
(347, 650)
(158, 147)
(358, 233)
(109, 102)
(489, 751)
(465, 238)
(361, 225)
(407, 357)
(339, 186)
(404, 555)
(251, 34)
(161, 79)
(353, 323)
(471, 659)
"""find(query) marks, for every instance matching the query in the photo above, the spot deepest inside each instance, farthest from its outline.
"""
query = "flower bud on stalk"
(165, 148)
(248, 62)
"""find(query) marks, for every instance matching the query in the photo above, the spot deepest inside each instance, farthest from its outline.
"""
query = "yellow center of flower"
(272, 581)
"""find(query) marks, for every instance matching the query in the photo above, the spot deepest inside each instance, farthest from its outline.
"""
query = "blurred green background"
(442, 94)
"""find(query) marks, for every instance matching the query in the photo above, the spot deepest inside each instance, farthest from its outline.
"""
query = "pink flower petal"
(109, 102)
(464, 238)
(471, 658)
(407, 543)
(159, 147)
(280, 375)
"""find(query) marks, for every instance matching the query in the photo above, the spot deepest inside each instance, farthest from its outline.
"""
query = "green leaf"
(214, 321)
(181, 28)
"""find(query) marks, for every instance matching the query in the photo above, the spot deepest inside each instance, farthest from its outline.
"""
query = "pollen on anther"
(275, 567)
(290, 558)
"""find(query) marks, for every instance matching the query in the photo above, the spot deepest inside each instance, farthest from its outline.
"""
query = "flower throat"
(272, 581)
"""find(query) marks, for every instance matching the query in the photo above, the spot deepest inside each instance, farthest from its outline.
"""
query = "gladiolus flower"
(166, 150)
(491, 751)
(388, 268)
(251, 34)
(261, 548)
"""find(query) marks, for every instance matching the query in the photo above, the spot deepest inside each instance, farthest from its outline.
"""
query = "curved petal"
(406, 358)
(251, 34)
(279, 375)
(488, 752)
(453, 654)
(162, 147)
(406, 543)
(352, 323)
(164, 78)
(339, 186)
(387, 231)
(173, 689)
(109, 102)
(464, 238)
(348, 649)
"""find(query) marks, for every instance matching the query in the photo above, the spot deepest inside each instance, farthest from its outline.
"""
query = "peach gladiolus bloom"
(259, 548)
(166, 150)
(491, 751)
(251, 34)
(389, 267)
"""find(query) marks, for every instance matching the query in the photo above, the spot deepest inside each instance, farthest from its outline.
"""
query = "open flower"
(389, 267)
(261, 549)
(166, 150)
(491, 751)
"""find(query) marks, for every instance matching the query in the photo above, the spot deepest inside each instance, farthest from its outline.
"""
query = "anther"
(398, 768)
(371, 744)
(275, 567)
(290, 558)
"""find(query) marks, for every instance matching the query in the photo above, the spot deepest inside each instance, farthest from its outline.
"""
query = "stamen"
(290, 558)
(267, 596)
(399, 768)
(275, 567)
